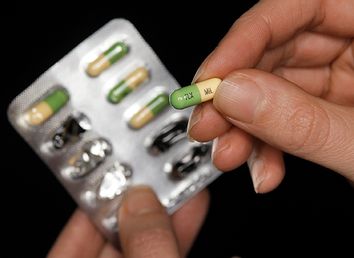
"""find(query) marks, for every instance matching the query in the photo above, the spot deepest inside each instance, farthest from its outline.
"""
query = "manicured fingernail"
(139, 200)
(190, 139)
(199, 72)
(238, 97)
(195, 117)
(214, 147)
(258, 172)
(219, 146)
(201, 68)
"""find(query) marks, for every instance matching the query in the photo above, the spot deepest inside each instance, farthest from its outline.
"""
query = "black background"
(310, 212)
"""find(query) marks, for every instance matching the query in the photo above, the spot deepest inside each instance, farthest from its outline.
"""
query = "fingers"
(108, 251)
(267, 25)
(271, 23)
(281, 114)
(188, 220)
(72, 242)
(203, 116)
(145, 227)
(309, 49)
(266, 167)
(342, 77)
(315, 81)
(231, 149)
(150, 234)
(337, 18)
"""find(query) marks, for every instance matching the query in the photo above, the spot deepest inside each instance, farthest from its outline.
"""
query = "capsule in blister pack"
(106, 124)
(127, 85)
(42, 110)
(107, 58)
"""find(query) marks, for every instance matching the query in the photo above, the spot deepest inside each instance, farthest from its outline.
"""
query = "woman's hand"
(298, 97)
(145, 229)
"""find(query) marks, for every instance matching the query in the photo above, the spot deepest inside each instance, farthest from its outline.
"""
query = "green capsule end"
(116, 52)
(57, 99)
(119, 92)
(158, 104)
(185, 97)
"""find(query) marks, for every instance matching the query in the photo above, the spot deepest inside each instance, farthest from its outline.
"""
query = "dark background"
(309, 213)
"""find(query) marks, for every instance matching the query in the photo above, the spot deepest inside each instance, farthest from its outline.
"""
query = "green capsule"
(127, 85)
(107, 58)
(149, 111)
(194, 94)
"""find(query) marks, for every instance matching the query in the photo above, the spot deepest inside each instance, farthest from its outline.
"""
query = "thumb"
(145, 227)
(281, 114)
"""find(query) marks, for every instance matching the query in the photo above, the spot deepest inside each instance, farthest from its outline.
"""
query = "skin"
(296, 59)
(146, 230)
(303, 65)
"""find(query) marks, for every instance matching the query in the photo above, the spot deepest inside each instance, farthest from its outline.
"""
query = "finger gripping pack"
(100, 119)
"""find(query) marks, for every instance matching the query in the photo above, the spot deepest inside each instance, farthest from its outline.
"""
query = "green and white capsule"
(127, 85)
(107, 58)
(194, 94)
(43, 110)
(149, 111)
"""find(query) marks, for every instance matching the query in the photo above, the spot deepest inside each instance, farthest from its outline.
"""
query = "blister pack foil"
(99, 118)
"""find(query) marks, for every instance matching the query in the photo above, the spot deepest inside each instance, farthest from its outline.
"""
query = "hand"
(298, 97)
(145, 229)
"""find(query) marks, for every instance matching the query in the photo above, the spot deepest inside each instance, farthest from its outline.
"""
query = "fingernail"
(258, 172)
(190, 139)
(238, 97)
(218, 147)
(199, 72)
(139, 200)
(201, 68)
(195, 117)
(214, 147)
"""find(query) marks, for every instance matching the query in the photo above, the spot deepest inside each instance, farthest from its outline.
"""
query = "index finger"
(268, 25)
(73, 240)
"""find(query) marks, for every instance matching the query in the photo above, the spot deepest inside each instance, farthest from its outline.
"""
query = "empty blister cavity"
(115, 181)
(91, 155)
(149, 111)
(110, 223)
(45, 108)
(132, 81)
(167, 136)
(89, 198)
(110, 56)
(71, 130)
(188, 162)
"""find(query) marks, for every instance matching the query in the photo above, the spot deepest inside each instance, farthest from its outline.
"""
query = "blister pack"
(100, 119)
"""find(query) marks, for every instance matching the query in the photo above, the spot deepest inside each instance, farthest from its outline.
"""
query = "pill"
(194, 94)
(107, 58)
(127, 85)
(149, 111)
(43, 110)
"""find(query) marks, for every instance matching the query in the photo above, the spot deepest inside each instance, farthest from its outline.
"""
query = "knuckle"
(306, 128)
(150, 240)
